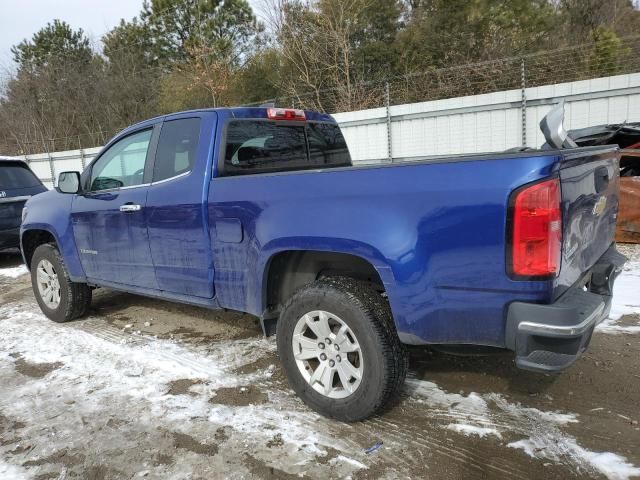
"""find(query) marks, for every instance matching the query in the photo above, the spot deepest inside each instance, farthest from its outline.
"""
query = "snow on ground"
(11, 472)
(110, 376)
(541, 436)
(14, 272)
(626, 301)
(610, 465)
(470, 430)
(100, 372)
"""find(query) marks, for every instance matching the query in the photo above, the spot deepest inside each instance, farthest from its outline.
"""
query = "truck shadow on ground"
(168, 318)
(468, 370)
(471, 371)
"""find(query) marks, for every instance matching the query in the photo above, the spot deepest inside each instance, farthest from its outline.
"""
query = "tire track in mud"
(416, 440)
(354, 438)
(404, 432)
(401, 431)
(251, 433)
(539, 433)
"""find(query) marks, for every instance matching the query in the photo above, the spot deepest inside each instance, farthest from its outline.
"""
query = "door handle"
(129, 208)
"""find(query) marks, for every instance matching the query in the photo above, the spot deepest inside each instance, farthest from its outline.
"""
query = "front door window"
(122, 165)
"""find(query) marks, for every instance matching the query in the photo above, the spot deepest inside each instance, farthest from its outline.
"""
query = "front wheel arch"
(32, 239)
(73, 299)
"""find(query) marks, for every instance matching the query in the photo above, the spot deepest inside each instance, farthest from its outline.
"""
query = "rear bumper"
(10, 238)
(550, 338)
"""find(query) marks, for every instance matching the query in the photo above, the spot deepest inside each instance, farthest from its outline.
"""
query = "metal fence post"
(82, 160)
(51, 166)
(389, 138)
(523, 86)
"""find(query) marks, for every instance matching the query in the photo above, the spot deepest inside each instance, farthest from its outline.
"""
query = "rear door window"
(16, 176)
(262, 146)
(177, 148)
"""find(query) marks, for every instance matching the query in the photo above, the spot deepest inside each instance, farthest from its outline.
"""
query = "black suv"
(17, 185)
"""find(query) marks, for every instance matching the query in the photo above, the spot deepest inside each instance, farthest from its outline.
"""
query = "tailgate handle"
(601, 179)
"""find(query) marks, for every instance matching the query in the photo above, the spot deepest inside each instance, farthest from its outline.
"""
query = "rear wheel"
(59, 298)
(340, 350)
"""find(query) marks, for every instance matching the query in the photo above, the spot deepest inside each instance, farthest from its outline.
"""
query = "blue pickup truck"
(261, 210)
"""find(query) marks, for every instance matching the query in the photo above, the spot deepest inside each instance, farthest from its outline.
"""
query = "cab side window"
(177, 148)
(122, 165)
(265, 146)
(258, 146)
(327, 146)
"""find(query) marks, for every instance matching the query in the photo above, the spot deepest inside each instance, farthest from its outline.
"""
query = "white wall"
(47, 166)
(486, 123)
(473, 124)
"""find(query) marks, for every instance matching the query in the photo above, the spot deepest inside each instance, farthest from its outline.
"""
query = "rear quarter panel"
(435, 233)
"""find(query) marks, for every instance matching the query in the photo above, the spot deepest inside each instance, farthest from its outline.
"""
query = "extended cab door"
(178, 232)
(109, 220)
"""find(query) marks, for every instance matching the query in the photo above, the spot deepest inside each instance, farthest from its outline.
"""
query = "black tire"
(75, 298)
(368, 315)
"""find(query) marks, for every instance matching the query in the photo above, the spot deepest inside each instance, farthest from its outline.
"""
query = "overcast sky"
(20, 19)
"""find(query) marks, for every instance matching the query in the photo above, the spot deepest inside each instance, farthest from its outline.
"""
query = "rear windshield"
(262, 146)
(16, 176)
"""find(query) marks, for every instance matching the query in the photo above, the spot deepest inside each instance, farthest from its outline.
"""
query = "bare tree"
(317, 42)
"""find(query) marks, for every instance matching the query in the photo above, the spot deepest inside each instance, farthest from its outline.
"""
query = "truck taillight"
(536, 236)
(285, 114)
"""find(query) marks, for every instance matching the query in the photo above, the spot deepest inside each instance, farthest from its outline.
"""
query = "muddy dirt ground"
(148, 389)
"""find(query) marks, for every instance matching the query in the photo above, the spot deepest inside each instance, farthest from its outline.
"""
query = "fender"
(51, 212)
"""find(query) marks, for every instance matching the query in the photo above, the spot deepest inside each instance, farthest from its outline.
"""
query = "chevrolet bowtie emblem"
(599, 206)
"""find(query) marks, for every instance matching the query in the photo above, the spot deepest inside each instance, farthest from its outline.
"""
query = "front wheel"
(339, 348)
(59, 298)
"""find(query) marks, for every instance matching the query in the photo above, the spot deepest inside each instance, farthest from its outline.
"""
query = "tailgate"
(590, 195)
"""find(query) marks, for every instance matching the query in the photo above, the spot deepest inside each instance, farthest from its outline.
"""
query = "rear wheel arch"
(289, 270)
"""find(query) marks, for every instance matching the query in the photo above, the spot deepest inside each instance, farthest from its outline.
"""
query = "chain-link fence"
(463, 125)
(607, 58)
(499, 86)
(489, 122)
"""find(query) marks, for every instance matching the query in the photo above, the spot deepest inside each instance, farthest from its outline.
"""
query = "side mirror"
(68, 182)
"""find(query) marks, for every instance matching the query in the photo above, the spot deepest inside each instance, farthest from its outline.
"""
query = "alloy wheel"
(48, 284)
(327, 354)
